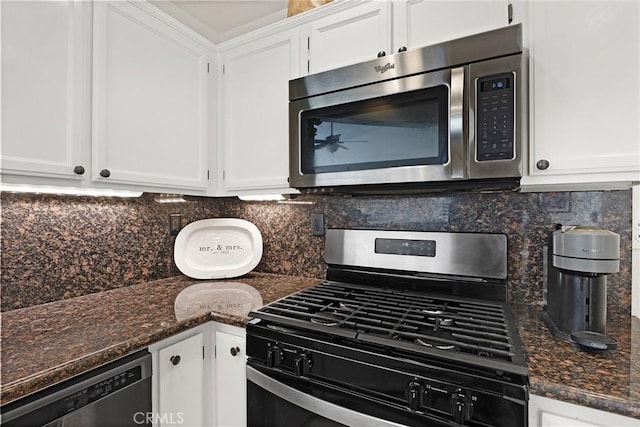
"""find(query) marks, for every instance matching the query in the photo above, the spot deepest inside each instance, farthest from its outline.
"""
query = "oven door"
(279, 400)
(406, 130)
(273, 403)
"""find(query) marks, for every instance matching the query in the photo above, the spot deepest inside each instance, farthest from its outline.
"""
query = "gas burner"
(446, 347)
(326, 319)
(441, 321)
(347, 307)
(446, 322)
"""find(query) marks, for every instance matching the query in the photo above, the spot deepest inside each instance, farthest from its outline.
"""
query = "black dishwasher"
(115, 394)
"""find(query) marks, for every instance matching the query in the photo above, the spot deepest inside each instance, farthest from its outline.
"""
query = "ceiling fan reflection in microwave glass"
(331, 142)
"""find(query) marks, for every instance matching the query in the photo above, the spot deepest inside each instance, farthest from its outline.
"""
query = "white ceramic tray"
(223, 297)
(218, 248)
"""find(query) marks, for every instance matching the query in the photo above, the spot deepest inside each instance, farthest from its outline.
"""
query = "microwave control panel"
(495, 117)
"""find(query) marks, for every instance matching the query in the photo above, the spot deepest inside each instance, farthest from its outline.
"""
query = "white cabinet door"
(545, 412)
(585, 90)
(231, 377)
(350, 36)
(425, 22)
(150, 99)
(255, 112)
(181, 379)
(45, 99)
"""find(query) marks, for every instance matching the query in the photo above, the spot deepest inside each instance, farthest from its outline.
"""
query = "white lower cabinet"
(545, 412)
(199, 377)
(230, 376)
(180, 385)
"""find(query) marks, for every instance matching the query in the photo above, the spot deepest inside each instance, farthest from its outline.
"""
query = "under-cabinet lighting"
(68, 191)
(262, 198)
(168, 198)
(297, 202)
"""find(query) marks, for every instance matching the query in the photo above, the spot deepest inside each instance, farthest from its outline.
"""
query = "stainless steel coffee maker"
(578, 260)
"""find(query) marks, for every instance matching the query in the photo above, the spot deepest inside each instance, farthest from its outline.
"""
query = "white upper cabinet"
(349, 36)
(585, 94)
(149, 128)
(366, 29)
(45, 99)
(426, 22)
(254, 116)
(150, 99)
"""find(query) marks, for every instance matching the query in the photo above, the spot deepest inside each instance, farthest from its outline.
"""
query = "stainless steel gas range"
(410, 328)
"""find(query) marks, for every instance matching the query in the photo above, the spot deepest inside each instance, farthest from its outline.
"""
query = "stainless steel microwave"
(443, 116)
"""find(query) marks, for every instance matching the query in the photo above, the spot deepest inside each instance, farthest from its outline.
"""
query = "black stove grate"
(416, 322)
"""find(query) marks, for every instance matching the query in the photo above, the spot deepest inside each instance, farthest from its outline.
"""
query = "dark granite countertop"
(606, 380)
(45, 344)
(48, 343)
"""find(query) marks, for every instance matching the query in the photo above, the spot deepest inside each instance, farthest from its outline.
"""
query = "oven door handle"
(313, 404)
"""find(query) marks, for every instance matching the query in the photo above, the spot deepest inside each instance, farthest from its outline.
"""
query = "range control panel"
(406, 247)
(495, 117)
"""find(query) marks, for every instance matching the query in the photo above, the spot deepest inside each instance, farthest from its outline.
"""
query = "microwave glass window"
(406, 129)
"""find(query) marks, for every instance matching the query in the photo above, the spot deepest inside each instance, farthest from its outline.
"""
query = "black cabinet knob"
(382, 53)
(175, 359)
(542, 164)
(105, 173)
(235, 351)
(402, 49)
(78, 170)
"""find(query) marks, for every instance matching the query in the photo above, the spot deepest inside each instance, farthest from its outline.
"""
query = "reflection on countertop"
(48, 343)
(45, 344)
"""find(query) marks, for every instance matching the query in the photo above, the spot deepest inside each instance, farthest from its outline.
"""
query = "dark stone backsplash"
(56, 247)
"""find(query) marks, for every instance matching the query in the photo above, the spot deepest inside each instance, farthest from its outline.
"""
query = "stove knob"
(461, 406)
(415, 395)
(274, 356)
(302, 365)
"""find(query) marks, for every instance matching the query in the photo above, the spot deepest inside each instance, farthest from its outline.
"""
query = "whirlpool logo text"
(384, 68)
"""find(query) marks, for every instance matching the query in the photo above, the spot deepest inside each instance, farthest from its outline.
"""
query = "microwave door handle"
(457, 148)
(313, 404)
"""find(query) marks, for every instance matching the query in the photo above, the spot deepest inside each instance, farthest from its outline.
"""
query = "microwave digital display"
(498, 84)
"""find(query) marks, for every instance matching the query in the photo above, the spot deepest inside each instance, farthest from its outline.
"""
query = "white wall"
(635, 274)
